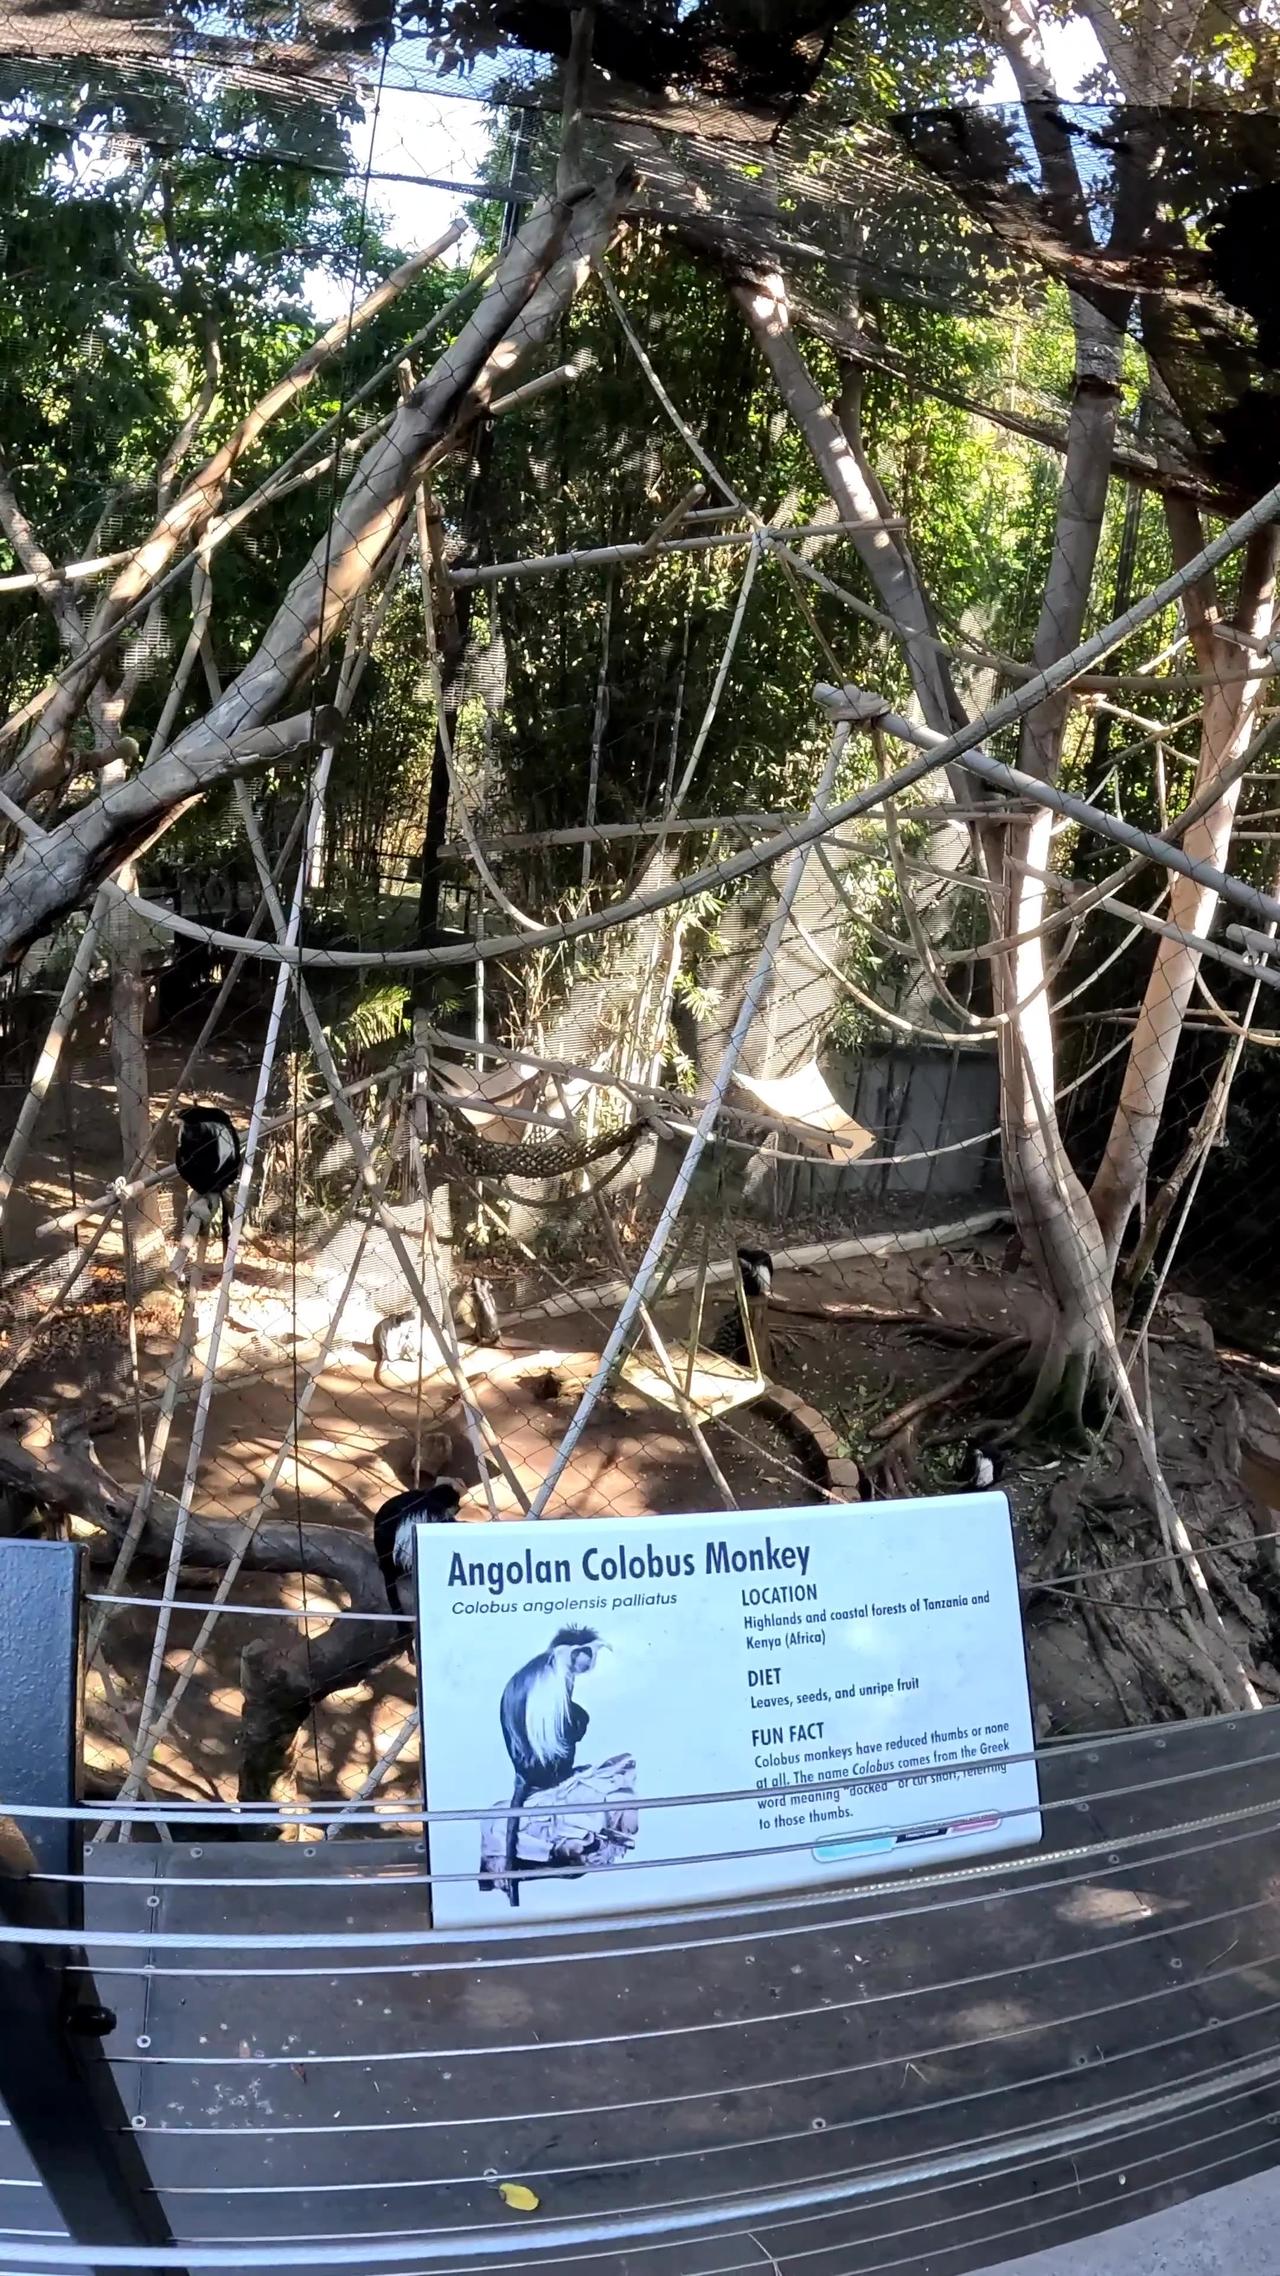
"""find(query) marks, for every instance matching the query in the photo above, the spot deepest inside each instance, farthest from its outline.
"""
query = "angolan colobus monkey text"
(543, 1726)
(433, 1504)
(730, 1338)
(208, 1156)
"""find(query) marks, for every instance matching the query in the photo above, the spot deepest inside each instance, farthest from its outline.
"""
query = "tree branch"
(54, 1462)
(41, 763)
(532, 287)
(858, 498)
(854, 345)
(48, 584)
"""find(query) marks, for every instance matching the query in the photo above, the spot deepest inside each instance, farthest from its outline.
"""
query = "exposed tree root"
(281, 1685)
(930, 1323)
(54, 1464)
(1055, 1407)
(891, 1427)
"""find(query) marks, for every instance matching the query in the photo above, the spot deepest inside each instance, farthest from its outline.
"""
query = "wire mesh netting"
(639, 879)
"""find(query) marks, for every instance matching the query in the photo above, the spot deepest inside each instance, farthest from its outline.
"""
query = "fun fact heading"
(498, 1574)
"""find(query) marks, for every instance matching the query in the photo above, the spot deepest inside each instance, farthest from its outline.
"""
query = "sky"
(1073, 53)
(419, 135)
(445, 137)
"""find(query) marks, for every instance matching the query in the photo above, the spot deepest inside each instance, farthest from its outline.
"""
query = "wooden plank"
(714, 1386)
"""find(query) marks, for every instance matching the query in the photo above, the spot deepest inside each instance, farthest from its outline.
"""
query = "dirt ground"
(1112, 1638)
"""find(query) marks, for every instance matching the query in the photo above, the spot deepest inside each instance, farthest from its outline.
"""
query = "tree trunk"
(949, 845)
(763, 302)
(1050, 1208)
(43, 759)
(54, 1466)
(1230, 714)
(834, 438)
(281, 1685)
(454, 613)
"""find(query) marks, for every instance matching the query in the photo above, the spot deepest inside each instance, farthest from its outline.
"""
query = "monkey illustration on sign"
(543, 1726)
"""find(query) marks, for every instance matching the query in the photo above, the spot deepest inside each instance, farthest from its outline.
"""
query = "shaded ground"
(1107, 1645)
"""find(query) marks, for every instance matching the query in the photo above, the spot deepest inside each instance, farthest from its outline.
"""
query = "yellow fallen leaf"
(520, 2199)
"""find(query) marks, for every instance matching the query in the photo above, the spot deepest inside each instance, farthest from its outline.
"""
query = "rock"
(1260, 1447)
(1187, 1317)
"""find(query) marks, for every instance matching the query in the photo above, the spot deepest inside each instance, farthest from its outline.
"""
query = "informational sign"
(852, 1678)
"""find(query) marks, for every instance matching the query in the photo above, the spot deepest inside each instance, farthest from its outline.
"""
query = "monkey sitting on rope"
(208, 1157)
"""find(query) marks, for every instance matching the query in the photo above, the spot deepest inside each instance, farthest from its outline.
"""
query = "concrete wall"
(914, 1100)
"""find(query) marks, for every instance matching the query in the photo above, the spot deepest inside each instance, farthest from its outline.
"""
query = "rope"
(756, 989)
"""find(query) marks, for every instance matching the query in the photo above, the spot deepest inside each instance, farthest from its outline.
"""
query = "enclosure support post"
(40, 1660)
(56, 2085)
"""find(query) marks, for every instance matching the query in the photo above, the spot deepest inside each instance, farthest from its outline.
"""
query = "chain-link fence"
(609, 903)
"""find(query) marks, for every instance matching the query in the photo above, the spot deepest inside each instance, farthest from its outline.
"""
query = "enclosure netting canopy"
(745, 136)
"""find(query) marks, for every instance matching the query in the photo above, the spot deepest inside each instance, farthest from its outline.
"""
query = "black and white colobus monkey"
(730, 1338)
(980, 1466)
(543, 1725)
(433, 1504)
(208, 1156)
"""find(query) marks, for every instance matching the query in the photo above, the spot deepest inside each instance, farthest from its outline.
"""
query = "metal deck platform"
(944, 2071)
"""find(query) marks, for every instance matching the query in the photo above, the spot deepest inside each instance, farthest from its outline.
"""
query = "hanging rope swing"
(498, 1125)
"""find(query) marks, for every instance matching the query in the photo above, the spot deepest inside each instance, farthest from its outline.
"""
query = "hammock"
(802, 1105)
(502, 1124)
